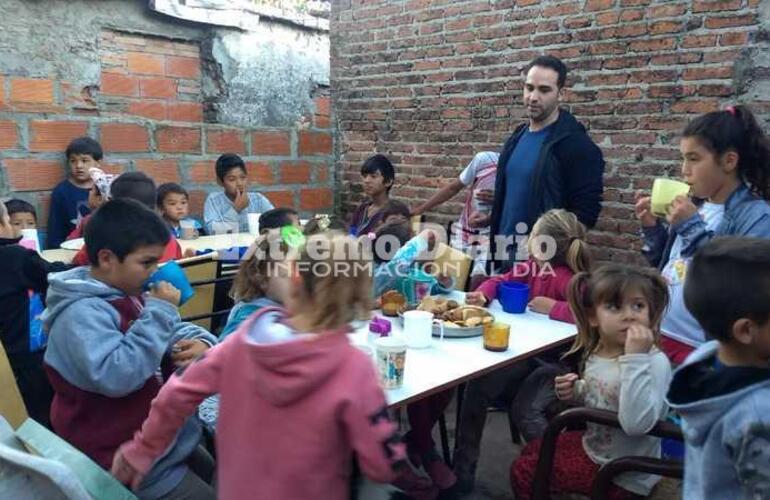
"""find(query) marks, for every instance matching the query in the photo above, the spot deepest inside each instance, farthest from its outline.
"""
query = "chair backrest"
(201, 271)
(11, 404)
(454, 263)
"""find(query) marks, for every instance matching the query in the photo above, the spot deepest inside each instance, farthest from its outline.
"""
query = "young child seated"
(134, 186)
(618, 310)
(395, 212)
(722, 392)
(108, 342)
(378, 177)
(548, 276)
(173, 204)
(297, 400)
(277, 218)
(22, 292)
(22, 215)
(69, 199)
(227, 211)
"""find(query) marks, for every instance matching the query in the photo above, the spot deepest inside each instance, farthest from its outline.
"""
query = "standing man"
(549, 162)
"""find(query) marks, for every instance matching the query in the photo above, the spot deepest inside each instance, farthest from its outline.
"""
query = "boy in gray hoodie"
(722, 391)
(109, 344)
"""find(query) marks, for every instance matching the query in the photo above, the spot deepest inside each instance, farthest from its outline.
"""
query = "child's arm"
(57, 224)
(387, 275)
(562, 312)
(175, 402)
(88, 349)
(35, 271)
(519, 273)
(370, 432)
(644, 379)
(694, 233)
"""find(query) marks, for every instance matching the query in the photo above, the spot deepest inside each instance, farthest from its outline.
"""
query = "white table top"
(451, 361)
(213, 242)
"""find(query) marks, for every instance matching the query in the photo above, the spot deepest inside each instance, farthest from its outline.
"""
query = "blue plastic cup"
(513, 296)
(172, 273)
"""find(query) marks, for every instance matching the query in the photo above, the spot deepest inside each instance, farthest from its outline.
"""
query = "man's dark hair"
(136, 186)
(729, 279)
(123, 226)
(553, 63)
(17, 206)
(383, 165)
(84, 146)
(170, 188)
(276, 218)
(227, 162)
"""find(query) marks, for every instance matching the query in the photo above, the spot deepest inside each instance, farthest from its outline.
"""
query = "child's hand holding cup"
(170, 274)
(164, 290)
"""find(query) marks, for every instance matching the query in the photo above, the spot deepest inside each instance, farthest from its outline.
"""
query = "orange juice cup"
(496, 336)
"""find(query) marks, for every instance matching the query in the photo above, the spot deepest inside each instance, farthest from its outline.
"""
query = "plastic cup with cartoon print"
(664, 191)
(187, 229)
(496, 335)
(391, 361)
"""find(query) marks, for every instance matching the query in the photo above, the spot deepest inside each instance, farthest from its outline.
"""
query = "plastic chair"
(578, 416)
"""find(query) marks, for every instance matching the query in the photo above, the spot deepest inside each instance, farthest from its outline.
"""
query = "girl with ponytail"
(558, 250)
(726, 161)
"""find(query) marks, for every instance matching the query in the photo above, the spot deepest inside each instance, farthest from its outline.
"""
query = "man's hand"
(479, 219)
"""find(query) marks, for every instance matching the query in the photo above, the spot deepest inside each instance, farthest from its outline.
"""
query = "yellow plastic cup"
(663, 193)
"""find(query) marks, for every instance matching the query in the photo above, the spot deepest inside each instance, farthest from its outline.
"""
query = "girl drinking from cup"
(547, 276)
(297, 400)
(618, 310)
(726, 162)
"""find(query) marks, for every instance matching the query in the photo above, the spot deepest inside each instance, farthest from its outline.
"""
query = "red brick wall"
(430, 82)
(146, 111)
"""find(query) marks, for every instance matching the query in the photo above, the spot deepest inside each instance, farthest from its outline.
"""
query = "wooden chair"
(579, 416)
(12, 406)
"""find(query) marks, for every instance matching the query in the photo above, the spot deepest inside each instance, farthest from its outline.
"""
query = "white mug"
(418, 327)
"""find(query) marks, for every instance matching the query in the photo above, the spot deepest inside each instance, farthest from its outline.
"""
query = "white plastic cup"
(418, 328)
(187, 229)
(253, 224)
(30, 235)
(391, 361)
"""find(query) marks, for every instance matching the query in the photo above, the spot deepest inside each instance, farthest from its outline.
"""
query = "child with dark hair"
(395, 212)
(722, 392)
(726, 162)
(22, 215)
(378, 176)
(69, 200)
(277, 218)
(173, 204)
(323, 222)
(139, 187)
(22, 294)
(104, 375)
(227, 210)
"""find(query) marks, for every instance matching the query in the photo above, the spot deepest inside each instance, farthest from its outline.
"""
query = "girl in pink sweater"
(296, 398)
(558, 250)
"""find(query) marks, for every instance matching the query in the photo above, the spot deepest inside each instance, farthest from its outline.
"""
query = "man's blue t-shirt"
(518, 173)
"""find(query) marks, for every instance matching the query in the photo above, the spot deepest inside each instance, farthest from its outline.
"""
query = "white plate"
(73, 244)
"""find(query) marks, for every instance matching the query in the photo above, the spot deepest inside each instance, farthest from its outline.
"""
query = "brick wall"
(430, 82)
(147, 113)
